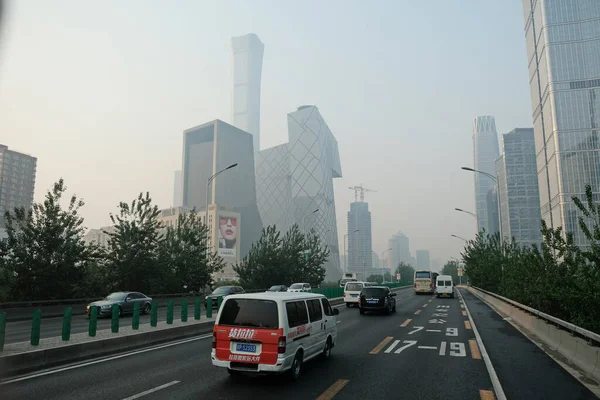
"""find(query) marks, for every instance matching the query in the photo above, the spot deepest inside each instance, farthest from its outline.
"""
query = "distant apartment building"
(209, 149)
(247, 53)
(399, 243)
(563, 50)
(359, 242)
(518, 186)
(17, 180)
(423, 261)
(485, 153)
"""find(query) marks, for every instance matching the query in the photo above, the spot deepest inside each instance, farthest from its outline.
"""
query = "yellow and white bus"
(424, 282)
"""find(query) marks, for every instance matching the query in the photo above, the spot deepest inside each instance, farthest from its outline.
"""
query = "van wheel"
(296, 367)
(327, 349)
(348, 305)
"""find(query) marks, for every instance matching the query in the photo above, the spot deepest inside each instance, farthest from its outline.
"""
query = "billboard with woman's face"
(228, 235)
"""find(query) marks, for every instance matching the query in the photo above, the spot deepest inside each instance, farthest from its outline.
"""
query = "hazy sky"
(100, 94)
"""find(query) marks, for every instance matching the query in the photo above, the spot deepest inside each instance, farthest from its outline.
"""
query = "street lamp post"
(382, 274)
(458, 237)
(346, 255)
(212, 199)
(495, 179)
(467, 212)
(304, 219)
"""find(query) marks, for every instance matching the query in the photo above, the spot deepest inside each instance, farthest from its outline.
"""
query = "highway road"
(427, 350)
(20, 331)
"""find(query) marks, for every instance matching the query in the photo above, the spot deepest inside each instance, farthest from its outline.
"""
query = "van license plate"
(372, 301)
(249, 348)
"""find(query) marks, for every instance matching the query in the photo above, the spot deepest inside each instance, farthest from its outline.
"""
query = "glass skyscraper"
(563, 48)
(359, 243)
(247, 52)
(485, 153)
(518, 186)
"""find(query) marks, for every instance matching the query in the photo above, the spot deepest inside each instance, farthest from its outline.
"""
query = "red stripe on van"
(268, 338)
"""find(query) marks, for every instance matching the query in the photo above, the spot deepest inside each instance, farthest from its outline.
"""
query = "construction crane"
(360, 189)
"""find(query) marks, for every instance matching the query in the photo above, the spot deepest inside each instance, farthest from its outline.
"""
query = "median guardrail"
(579, 346)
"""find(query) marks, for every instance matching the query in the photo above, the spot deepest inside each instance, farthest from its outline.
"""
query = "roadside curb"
(575, 351)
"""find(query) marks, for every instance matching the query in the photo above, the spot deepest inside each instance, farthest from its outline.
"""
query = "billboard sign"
(460, 271)
(228, 234)
(398, 277)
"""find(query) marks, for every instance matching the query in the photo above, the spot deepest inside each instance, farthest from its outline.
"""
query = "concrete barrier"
(22, 358)
(576, 345)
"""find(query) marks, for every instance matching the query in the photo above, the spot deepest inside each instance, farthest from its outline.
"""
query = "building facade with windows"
(17, 180)
(485, 153)
(563, 49)
(360, 244)
(518, 186)
(208, 149)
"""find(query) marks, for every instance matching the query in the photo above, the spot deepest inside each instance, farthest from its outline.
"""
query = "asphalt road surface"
(426, 350)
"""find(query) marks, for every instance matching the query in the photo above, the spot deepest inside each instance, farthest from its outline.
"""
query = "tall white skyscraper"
(563, 49)
(247, 54)
(485, 153)
(177, 189)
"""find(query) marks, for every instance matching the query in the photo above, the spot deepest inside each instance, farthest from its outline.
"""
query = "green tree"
(407, 272)
(44, 254)
(451, 268)
(264, 265)
(134, 245)
(375, 278)
(591, 226)
(274, 259)
(184, 258)
(484, 260)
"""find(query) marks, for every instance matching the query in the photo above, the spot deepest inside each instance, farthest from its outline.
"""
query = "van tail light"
(281, 343)
(345, 294)
(415, 284)
(214, 340)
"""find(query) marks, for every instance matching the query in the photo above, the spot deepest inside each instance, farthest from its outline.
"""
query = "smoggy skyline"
(102, 99)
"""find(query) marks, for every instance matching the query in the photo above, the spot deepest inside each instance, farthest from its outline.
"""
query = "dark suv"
(222, 292)
(377, 298)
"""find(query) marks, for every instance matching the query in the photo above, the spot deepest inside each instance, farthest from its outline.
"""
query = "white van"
(352, 292)
(273, 332)
(444, 286)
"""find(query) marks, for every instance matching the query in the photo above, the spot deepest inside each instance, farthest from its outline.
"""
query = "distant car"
(352, 291)
(377, 298)
(222, 292)
(278, 288)
(125, 300)
(300, 287)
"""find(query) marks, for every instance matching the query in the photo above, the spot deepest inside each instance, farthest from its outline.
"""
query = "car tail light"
(281, 343)
(214, 340)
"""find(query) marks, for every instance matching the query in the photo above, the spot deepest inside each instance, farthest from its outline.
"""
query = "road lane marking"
(406, 346)
(417, 312)
(339, 322)
(405, 323)
(389, 349)
(467, 325)
(427, 347)
(462, 306)
(451, 331)
(443, 349)
(156, 389)
(486, 358)
(433, 330)
(425, 305)
(333, 389)
(381, 345)
(474, 349)
(430, 301)
(486, 395)
(416, 329)
(464, 313)
(101, 360)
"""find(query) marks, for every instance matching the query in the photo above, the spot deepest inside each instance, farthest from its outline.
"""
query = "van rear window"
(250, 312)
(354, 287)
